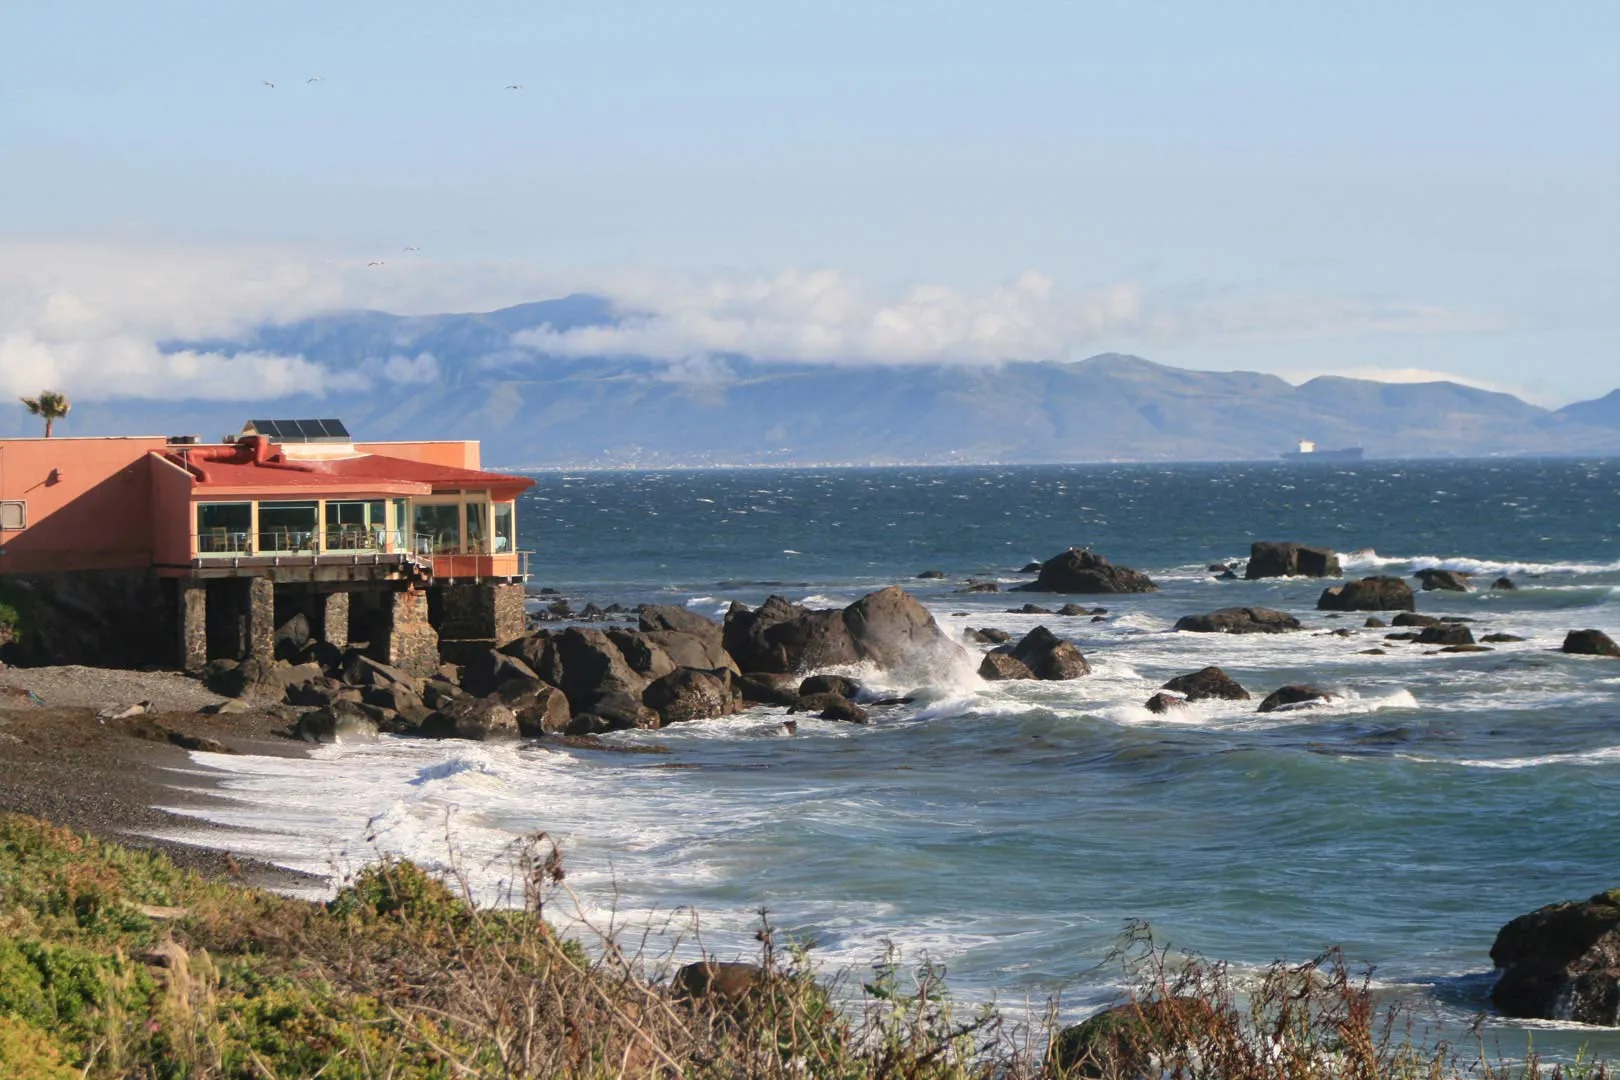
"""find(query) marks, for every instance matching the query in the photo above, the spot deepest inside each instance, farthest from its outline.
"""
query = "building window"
(437, 528)
(287, 526)
(477, 526)
(505, 527)
(13, 515)
(224, 528)
(356, 526)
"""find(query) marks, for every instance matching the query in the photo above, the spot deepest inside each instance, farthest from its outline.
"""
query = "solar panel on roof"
(294, 431)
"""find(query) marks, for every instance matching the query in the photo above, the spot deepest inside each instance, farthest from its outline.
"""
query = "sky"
(1397, 190)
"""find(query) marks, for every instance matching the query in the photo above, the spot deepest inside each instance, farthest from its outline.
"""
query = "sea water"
(1011, 830)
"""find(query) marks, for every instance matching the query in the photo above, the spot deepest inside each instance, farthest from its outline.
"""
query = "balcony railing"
(276, 543)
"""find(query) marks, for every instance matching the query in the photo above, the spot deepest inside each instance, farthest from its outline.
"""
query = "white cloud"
(1415, 375)
(85, 315)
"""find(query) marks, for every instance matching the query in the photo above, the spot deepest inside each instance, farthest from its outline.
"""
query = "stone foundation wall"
(100, 618)
(486, 613)
(410, 642)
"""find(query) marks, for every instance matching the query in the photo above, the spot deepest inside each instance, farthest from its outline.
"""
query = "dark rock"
(318, 691)
(730, 985)
(1227, 575)
(468, 717)
(1446, 634)
(1405, 635)
(1445, 580)
(1375, 623)
(1072, 610)
(1562, 962)
(831, 707)
(1081, 571)
(1590, 643)
(1271, 558)
(990, 635)
(1412, 618)
(781, 636)
(1210, 682)
(1030, 568)
(1295, 696)
(645, 657)
(344, 721)
(393, 697)
(657, 618)
(291, 637)
(362, 670)
(1239, 620)
(891, 629)
(982, 587)
(1049, 656)
(688, 694)
(841, 685)
(485, 671)
(1503, 584)
(1134, 1041)
(1099, 618)
(702, 651)
(1465, 648)
(1163, 702)
(622, 711)
(587, 666)
(1030, 609)
(1000, 667)
(1372, 652)
(1217, 568)
(541, 709)
(932, 575)
(439, 692)
(1382, 593)
(584, 724)
(767, 689)
(1500, 639)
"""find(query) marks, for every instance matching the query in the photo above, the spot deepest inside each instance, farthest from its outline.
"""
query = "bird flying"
(268, 83)
(315, 78)
(514, 86)
(413, 249)
(375, 262)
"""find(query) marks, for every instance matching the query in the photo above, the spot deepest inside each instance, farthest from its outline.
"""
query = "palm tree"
(50, 405)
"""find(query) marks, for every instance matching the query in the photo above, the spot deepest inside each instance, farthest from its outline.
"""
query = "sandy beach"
(65, 757)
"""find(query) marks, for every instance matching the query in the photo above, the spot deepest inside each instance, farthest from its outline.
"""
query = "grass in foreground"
(114, 963)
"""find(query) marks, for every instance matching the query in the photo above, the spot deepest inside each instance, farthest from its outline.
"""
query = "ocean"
(1010, 831)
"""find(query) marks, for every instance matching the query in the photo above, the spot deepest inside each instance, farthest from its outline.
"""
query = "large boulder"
(1562, 962)
(540, 709)
(1048, 656)
(1210, 682)
(471, 718)
(486, 670)
(1295, 696)
(1133, 1041)
(290, 637)
(842, 685)
(1239, 620)
(767, 689)
(1381, 593)
(831, 707)
(1082, 571)
(361, 670)
(586, 665)
(891, 629)
(658, 618)
(703, 651)
(888, 628)
(1163, 702)
(1590, 643)
(340, 722)
(1273, 558)
(688, 694)
(1446, 634)
(646, 657)
(1445, 580)
(620, 711)
(1002, 667)
(1504, 584)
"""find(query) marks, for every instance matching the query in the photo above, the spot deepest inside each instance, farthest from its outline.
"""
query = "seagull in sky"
(375, 262)
(268, 83)
(315, 78)
(413, 249)
(514, 86)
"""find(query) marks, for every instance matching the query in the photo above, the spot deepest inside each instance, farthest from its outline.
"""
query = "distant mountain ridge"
(532, 409)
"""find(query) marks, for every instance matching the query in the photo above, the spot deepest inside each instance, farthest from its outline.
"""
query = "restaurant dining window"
(505, 527)
(477, 527)
(400, 522)
(437, 528)
(356, 526)
(287, 526)
(224, 528)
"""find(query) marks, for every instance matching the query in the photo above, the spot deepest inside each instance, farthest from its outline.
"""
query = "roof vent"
(299, 431)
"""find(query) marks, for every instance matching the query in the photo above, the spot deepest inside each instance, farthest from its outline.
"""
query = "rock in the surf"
(1138, 1039)
(1080, 570)
(831, 707)
(888, 628)
(1001, 667)
(766, 688)
(1274, 558)
(468, 717)
(1239, 620)
(1444, 580)
(1446, 634)
(1049, 656)
(1590, 643)
(1562, 962)
(1210, 682)
(1162, 702)
(1412, 618)
(1295, 696)
(688, 694)
(541, 709)
(1500, 639)
(931, 575)
(1503, 584)
(1381, 593)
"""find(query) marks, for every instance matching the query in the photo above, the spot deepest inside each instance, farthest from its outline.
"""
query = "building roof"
(224, 470)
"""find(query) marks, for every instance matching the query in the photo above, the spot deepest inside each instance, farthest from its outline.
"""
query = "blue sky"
(1287, 187)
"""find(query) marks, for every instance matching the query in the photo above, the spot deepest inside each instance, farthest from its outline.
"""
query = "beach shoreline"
(108, 776)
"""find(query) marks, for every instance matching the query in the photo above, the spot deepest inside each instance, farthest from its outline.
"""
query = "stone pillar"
(507, 602)
(335, 619)
(192, 615)
(261, 618)
(491, 613)
(410, 644)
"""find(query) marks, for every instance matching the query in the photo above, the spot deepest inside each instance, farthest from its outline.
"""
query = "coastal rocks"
(471, 718)
(540, 709)
(831, 707)
(645, 658)
(841, 685)
(1446, 580)
(987, 635)
(1454, 634)
(1381, 593)
(767, 689)
(622, 711)
(730, 984)
(1562, 962)
(341, 722)
(1209, 682)
(1589, 643)
(888, 628)
(1295, 696)
(585, 664)
(891, 629)
(1162, 702)
(1137, 1039)
(1503, 584)
(1082, 571)
(1239, 620)
(1272, 558)
(487, 670)
(1040, 654)
(1500, 639)
(689, 694)
(1412, 618)
(931, 575)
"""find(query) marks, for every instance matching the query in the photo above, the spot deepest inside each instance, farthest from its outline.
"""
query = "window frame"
(22, 514)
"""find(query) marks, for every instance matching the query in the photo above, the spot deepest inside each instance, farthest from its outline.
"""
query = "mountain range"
(465, 376)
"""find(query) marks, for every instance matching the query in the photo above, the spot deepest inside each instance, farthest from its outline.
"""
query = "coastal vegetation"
(115, 963)
(49, 406)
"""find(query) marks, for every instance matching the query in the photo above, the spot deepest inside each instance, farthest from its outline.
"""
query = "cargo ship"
(1308, 451)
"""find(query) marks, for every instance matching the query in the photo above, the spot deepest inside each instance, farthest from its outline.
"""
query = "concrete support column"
(192, 616)
(507, 603)
(261, 618)
(335, 619)
(491, 613)
(410, 644)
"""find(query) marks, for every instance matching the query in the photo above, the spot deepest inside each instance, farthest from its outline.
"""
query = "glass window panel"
(223, 527)
(402, 526)
(437, 528)
(505, 527)
(476, 521)
(14, 514)
(354, 525)
(286, 526)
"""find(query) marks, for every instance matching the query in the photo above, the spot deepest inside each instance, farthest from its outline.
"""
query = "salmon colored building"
(172, 551)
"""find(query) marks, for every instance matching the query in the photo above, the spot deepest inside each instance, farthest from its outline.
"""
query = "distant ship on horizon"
(1307, 449)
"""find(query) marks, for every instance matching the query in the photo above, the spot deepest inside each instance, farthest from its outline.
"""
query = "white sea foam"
(1601, 756)
(1369, 559)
